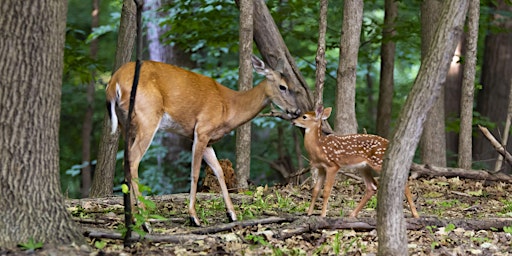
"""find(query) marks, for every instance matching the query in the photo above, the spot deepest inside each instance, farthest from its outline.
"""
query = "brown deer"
(192, 105)
(329, 153)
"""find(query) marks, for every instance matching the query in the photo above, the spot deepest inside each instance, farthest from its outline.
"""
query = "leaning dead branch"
(496, 144)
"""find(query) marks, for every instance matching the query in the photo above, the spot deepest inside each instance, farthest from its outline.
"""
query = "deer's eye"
(282, 87)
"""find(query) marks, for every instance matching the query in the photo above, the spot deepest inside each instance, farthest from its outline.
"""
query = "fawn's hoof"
(147, 227)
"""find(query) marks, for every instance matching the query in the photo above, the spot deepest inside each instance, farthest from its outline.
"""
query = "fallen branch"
(246, 223)
(418, 171)
(308, 224)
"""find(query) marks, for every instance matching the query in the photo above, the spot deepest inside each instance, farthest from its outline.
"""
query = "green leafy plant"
(31, 245)
(257, 239)
(507, 229)
(449, 228)
(336, 244)
(100, 244)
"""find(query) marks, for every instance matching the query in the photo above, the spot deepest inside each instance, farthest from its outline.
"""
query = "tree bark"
(31, 203)
(452, 100)
(345, 122)
(433, 140)
(88, 120)
(243, 133)
(272, 48)
(102, 184)
(320, 54)
(468, 88)
(496, 77)
(387, 66)
(399, 155)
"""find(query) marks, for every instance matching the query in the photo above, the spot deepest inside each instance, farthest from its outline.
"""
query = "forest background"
(203, 36)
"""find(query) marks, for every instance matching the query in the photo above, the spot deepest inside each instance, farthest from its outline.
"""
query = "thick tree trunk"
(102, 184)
(345, 122)
(31, 203)
(468, 88)
(272, 48)
(433, 140)
(496, 77)
(387, 66)
(243, 133)
(398, 159)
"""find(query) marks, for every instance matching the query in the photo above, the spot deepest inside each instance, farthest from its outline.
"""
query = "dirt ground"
(458, 217)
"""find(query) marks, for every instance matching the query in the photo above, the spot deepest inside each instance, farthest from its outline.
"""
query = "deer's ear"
(319, 111)
(326, 113)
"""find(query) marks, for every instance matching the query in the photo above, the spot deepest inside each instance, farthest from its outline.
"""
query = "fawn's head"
(312, 119)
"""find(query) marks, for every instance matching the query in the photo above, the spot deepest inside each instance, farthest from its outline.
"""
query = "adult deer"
(192, 105)
(329, 153)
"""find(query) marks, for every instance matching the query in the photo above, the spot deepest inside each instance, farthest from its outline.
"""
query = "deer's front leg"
(211, 159)
(198, 148)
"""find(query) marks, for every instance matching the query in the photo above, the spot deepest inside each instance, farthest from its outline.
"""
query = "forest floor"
(458, 217)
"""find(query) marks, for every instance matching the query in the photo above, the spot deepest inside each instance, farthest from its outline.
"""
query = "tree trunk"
(88, 120)
(398, 159)
(31, 203)
(272, 48)
(496, 77)
(433, 140)
(387, 66)
(102, 183)
(452, 100)
(243, 133)
(320, 55)
(345, 122)
(468, 85)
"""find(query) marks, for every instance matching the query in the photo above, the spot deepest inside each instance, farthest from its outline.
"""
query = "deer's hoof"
(194, 222)
(231, 216)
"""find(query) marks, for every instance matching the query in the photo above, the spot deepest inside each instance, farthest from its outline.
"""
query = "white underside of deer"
(192, 105)
(330, 153)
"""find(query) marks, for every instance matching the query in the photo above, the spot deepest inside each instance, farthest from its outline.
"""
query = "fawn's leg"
(371, 189)
(318, 185)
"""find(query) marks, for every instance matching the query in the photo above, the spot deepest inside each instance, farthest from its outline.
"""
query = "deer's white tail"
(112, 109)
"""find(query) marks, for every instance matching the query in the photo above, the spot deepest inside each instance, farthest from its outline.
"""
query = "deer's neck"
(245, 105)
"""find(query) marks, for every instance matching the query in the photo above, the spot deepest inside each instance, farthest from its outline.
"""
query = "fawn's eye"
(304, 117)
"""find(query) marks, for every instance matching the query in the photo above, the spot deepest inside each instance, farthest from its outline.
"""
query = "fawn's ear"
(326, 113)
(319, 112)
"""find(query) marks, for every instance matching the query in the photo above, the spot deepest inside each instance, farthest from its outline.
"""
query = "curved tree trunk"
(31, 203)
(272, 48)
(102, 183)
(346, 122)
(434, 66)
